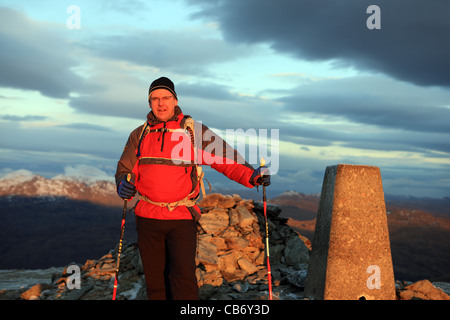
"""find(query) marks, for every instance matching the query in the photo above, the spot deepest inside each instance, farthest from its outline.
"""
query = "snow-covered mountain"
(25, 183)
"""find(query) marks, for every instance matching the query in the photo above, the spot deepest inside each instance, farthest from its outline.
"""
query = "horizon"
(79, 176)
(351, 86)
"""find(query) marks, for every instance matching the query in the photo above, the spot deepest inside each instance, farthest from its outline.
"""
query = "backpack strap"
(188, 124)
(144, 132)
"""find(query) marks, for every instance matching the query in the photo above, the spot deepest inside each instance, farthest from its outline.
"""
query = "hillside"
(44, 232)
(50, 222)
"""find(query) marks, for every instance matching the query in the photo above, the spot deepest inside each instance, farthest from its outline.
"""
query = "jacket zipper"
(163, 133)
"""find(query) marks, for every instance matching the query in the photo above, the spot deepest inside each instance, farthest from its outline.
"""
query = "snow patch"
(17, 177)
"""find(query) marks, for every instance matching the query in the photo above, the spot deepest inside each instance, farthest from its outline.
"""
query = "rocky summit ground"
(231, 262)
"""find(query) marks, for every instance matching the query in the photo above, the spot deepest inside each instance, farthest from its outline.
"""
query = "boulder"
(215, 220)
(246, 218)
(295, 251)
(212, 200)
(34, 292)
(207, 254)
(423, 290)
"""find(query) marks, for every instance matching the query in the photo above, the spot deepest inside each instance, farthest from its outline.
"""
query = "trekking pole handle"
(262, 164)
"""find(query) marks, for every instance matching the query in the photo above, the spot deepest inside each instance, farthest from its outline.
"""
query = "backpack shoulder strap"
(188, 124)
(144, 132)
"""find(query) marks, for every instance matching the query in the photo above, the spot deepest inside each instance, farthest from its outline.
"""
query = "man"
(163, 167)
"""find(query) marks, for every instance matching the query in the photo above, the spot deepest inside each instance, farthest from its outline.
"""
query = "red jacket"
(162, 167)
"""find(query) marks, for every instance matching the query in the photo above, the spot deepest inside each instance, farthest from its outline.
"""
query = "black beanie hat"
(162, 83)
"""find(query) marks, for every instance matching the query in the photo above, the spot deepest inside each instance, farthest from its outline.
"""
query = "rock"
(34, 292)
(207, 254)
(273, 210)
(215, 220)
(213, 278)
(227, 262)
(234, 218)
(423, 290)
(227, 202)
(241, 287)
(246, 218)
(276, 253)
(295, 251)
(236, 242)
(210, 200)
(298, 278)
(247, 266)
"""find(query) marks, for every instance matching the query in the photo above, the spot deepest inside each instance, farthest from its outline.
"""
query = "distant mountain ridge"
(25, 183)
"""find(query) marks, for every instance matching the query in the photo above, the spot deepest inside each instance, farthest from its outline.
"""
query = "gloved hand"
(126, 190)
(260, 176)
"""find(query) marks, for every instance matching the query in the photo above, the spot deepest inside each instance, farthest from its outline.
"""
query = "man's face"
(163, 104)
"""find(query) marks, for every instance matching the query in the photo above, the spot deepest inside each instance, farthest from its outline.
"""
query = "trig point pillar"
(351, 253)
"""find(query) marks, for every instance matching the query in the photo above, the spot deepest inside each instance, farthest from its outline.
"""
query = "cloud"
(407, 175)
(376, 101)
(412, 44)
(206, 90)
(99, 143)
(9, 117)
(119, 92)
(85, 126)
(35, 57)
(129, 7)
(85, 173)
(183, 52)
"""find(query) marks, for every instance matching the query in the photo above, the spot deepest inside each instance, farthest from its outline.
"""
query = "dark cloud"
(34, 57)
(371, 113)
(375, 101)
(412, 44)
(368, 138)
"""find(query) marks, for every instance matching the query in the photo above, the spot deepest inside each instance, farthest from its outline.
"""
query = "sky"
(323, 82)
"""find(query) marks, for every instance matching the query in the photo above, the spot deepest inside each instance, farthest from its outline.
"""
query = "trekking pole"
(122, 229)
(269, 273)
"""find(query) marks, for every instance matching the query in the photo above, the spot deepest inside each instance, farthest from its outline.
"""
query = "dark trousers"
(168, 249)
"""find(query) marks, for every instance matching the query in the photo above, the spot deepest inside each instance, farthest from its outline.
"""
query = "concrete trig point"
(351, 254)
